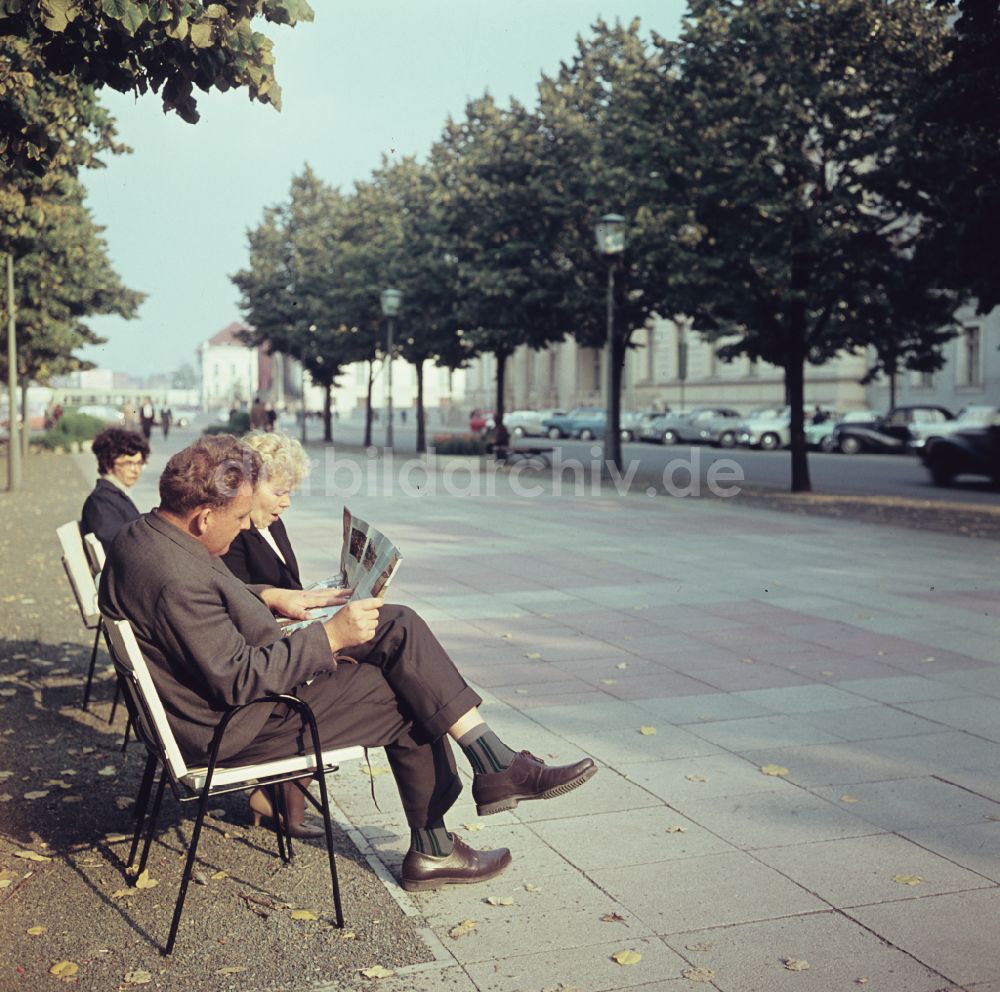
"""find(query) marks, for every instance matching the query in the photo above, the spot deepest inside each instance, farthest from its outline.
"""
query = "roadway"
(854, 475)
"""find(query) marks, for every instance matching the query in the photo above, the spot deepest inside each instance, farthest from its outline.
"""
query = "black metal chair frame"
(256, 776)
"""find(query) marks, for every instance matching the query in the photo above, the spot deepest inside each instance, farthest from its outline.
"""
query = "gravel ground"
(68, 900)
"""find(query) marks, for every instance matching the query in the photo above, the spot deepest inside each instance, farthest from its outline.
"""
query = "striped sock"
(433, 839)
(485, 751)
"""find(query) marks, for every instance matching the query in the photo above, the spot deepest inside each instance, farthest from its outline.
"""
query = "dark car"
(902, 430)
(975, 451)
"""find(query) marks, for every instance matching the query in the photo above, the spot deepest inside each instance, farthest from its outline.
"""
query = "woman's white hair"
(283, 456)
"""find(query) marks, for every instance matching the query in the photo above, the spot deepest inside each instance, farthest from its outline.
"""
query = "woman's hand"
(296, 603)
(354, 624)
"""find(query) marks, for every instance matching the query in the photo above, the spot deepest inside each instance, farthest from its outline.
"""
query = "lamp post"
(302, 370)
(610, 234)
(391, 301)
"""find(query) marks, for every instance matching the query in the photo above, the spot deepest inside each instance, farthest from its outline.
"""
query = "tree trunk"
(498, 410)
(368, 403)
(421, 426)
(327, 418)
(795, 389)
(13, 448)
(25, 426)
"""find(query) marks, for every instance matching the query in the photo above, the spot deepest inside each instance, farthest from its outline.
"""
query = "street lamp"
(302, 371)
(391, 301)
(610, 234)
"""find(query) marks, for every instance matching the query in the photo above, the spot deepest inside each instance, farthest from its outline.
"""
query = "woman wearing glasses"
(121, 457)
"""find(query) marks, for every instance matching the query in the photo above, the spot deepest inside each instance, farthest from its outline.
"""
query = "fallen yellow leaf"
(676, 830)
(698, 974)
(697, 947)
(144, 881)
(776, 770)
(466, 926)
(220, 874)
(647, 731)
(35, 931)
(696, 778)
(64, 970)
(612, 918)
(138, 977)
(793, 964)
(621, 665)
(304, 914)
(500, 900)
(231, 970)
(626, 957)
(907, 879)
(531, 887)
(849, 799)
(37, 794)
(472, 827)
(31, 856)
(107, 771)
(122, 894)
(533, 655)
(377, 971)
(375, 770)
(115, 838)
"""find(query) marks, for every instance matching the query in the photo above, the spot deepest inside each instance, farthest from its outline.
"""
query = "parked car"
(528, 423)
(563, 424)
(772, 428)
(632, 423)
(481, 421)
(110, 415)
(973, 451)
(702, 425)
(903, 429)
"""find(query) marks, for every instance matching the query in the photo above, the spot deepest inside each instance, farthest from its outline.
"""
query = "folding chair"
(81, 580)
(201, 783)
(95, 554)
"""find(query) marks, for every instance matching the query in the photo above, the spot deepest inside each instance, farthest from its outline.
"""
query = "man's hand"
(354, 624)
(296, 603)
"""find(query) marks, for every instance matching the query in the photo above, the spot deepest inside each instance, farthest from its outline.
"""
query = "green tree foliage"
(133, 46)
(496, 211)
(949, 176)
(608, 122)
(790, 107)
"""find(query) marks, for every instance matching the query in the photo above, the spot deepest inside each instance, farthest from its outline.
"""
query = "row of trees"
(771, 164)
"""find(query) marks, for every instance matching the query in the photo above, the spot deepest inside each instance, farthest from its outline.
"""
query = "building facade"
(230, 370)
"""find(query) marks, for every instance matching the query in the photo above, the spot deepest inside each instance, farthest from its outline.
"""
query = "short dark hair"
(209, 473)
(113, 442)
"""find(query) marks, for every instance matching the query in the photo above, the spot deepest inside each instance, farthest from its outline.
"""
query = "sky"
(362, 81)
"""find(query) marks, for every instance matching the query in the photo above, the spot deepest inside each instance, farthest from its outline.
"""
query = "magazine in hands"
(368, 562)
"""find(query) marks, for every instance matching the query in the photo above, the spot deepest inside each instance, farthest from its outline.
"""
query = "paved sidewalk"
(687, 645)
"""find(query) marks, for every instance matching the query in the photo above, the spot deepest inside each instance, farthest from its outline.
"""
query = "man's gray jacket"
(210, 641)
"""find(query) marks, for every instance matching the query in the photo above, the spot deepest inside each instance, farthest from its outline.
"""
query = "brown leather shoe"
(527, 777)
(463, 866)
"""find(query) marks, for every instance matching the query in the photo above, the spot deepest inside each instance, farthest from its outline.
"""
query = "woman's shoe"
(260, 806)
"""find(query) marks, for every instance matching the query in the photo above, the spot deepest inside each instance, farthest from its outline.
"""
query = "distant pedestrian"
(402, 416)
(147, 417)
(258, 415)
(271, 416)
(166, 416)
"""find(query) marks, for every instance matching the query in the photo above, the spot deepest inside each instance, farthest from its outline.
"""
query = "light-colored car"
(528, 423)
(771, 429)
(109, 415)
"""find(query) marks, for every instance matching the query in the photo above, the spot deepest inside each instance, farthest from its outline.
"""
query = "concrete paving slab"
(677, 896)
(902, 688)
(750, 957)
(982, 680)
(770, 731)
(564, 913)
(801, 699)
(609, 714)
(589, 968)
(915, 802)
(705, 777)
(773, 819)
(861, 871)
(701, 709)
(977, 780)
(955, 934)
(975, 846)
(978, 715)
(737, 677)
(870, 722)
(627, 747)
(635, 837)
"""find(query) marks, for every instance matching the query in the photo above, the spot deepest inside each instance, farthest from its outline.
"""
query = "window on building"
(752, 370)
(970, 346)
(650, 354)
(596, 381)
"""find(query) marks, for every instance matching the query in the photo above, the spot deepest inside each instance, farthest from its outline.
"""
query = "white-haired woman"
(263, 554)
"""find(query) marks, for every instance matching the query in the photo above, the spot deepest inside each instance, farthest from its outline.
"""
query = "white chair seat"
(195, 777)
